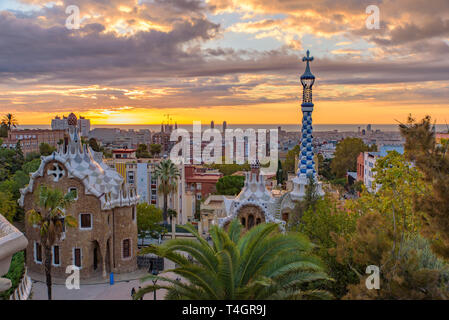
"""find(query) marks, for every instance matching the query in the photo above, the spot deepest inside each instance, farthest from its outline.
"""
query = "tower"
(306, 166)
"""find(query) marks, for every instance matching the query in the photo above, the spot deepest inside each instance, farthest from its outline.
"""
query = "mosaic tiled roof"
(98, 178)
(255, 193)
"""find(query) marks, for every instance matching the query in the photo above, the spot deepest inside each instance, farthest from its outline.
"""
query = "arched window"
(243, 220)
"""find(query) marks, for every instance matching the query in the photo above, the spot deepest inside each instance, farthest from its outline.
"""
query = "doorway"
(95, 258)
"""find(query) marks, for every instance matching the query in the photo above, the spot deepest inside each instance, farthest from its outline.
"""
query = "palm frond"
(259, 264)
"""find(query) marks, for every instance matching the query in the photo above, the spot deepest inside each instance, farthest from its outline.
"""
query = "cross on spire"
(307, 74)
(307, 58)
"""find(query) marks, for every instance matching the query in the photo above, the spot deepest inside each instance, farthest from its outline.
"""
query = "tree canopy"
(230, 185)
(155, 149)
(45, 149)
(345, 157)
(432, 159)
(142, 151)
(289, 162)
(149, 219)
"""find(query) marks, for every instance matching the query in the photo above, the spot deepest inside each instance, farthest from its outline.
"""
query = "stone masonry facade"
(105, 238)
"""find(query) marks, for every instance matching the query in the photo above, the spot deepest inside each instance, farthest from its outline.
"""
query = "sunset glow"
(237, 61)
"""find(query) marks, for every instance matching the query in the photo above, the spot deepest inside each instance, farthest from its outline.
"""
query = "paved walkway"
(99, 289)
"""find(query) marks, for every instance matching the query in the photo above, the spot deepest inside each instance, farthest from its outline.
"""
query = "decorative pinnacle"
(308, 58)
(307, 74)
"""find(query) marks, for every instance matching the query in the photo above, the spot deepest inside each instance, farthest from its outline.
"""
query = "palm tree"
(262, 263)
(172, 214)
(167, 173)
(10, 121)
(50, 218)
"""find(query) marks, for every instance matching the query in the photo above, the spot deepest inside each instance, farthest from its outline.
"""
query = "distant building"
(327, 149)
(32, 138)
(124, 153)
(139, 174)
(117, 138)
(365, 169)
(105, 135)
(27, 145)
(163, 138)
(201, 181)
(361, 167)
(212, 209)
(441, 136)
(61, 124)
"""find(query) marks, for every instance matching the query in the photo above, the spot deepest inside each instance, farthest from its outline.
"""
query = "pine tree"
(19, 153)
(279, 174)
(433, 160)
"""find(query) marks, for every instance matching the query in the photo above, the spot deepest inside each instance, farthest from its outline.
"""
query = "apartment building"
(30, 139)
(139, 175)
(83, 124)
(27, 145)
(366, 162)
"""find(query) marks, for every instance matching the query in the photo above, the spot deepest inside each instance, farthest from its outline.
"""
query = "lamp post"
(154, 273)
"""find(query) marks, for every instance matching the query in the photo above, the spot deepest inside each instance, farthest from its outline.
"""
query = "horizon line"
(219, 123)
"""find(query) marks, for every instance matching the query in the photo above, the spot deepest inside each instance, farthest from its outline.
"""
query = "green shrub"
(14, 274)
(339, 182)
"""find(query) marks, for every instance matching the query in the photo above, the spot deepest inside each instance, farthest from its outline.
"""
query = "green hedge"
(15, 273)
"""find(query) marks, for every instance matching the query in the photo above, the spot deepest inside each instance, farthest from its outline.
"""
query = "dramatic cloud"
(133, 55)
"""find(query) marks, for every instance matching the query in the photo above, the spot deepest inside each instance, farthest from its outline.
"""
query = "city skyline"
(222, 60)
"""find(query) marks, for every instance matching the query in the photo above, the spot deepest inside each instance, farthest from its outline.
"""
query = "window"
(134, 214)
(56, 261)
(126, 248)
(198, 196)
(85, 221)
(130, 176)
(75, 192)
(77, 257)
(37, 252)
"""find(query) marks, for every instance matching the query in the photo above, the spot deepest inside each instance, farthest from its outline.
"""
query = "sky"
(137, 61)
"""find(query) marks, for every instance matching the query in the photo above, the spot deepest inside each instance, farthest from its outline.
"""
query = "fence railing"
(151, 262)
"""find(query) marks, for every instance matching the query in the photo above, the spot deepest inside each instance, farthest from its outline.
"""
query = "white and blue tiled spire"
(306, 162)
(306, 166)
